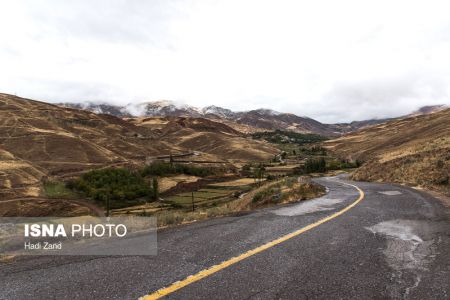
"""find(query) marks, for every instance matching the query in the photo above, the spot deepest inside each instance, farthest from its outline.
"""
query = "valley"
(191, 163)
(47, 148)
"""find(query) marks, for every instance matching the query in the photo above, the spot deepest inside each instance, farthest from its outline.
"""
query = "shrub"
(258, 197)
(265, 194)
(271, 177)
(247, 167)
(290, 181)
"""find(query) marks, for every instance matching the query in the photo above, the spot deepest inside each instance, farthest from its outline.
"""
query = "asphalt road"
(394, 244)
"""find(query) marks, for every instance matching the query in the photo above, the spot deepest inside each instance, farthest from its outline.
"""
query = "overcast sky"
(332, 60)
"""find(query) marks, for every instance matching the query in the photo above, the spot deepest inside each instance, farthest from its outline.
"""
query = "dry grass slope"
(208, 136)
(414, 150)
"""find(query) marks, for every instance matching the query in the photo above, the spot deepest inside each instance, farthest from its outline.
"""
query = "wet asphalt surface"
(395, 244)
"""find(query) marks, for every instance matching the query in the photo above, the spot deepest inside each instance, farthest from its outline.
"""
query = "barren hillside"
(413, 150)
(39, 140)
(208, 136)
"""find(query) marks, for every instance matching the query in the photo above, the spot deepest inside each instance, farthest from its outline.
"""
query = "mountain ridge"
(255, 120)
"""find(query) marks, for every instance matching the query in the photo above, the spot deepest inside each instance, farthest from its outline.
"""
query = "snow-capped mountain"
(219, 111)
(100, 108)
(143, 109)
(266, 112)
(163, 108)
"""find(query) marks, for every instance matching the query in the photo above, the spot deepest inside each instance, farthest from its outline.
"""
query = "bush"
(290, 181)
(247, 167)
(266, 193)
(334, 165)
(271, 177)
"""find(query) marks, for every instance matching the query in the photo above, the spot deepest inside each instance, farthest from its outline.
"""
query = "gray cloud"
(360, 63)
(115, 21)
(57, 91)
(381, 98)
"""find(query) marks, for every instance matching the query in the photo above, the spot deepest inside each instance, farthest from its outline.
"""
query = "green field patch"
(200, 195)
(218, 191)
(56, 189)
(179, 199)
(187, 202)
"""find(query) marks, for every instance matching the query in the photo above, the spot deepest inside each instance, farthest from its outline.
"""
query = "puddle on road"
(390, 193)
(308, 207)
(401, 229)
(409, 250)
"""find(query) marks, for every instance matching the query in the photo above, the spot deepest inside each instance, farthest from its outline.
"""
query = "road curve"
(393, 244)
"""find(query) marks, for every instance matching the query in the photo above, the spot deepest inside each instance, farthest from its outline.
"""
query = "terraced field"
(234, 183)
(213, 194)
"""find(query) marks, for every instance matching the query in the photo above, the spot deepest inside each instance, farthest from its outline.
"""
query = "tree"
(315, 165)
(155, 188)
(322, 165)
(259, 173)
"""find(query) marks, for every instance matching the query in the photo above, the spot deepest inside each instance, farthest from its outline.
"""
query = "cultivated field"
(213, 194)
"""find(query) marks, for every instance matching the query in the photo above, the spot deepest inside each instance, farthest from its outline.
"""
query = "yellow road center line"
(206, 272)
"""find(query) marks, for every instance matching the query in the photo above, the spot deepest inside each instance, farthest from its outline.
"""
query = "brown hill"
(39, 140)
(414, 150)
(270, 120)
(199, 134)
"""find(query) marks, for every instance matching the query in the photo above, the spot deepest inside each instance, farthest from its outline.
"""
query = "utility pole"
(193, 203)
